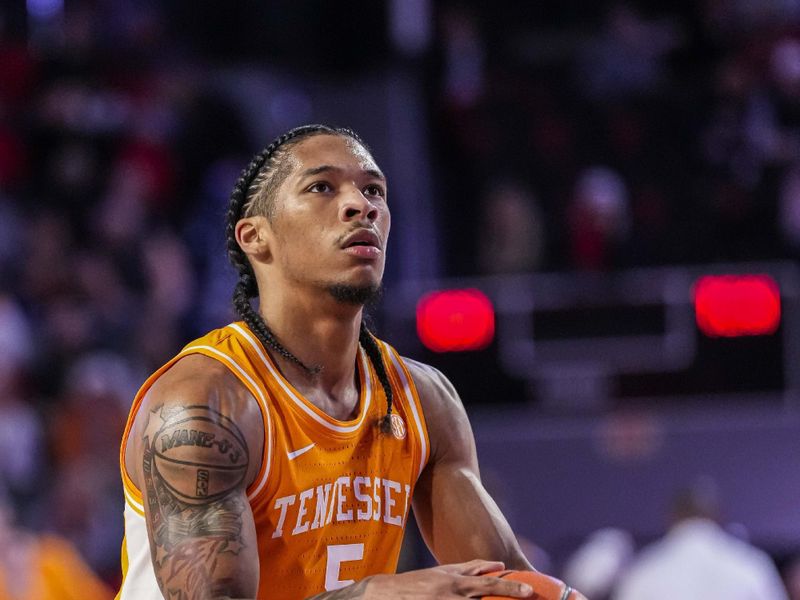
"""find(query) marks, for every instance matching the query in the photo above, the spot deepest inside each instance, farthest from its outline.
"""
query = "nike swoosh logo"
(296, 453)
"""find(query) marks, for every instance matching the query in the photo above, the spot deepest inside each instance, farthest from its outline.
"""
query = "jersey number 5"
(336, 556)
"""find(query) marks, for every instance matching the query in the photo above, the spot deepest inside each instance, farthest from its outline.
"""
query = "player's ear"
(253, 234)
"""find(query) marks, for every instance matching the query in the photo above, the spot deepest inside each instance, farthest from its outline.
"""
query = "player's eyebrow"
(374, 173)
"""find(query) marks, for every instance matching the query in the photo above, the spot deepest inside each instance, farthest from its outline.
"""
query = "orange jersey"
(56, 572)
(331, 500)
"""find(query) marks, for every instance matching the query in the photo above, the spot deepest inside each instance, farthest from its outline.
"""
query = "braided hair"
(254, 193)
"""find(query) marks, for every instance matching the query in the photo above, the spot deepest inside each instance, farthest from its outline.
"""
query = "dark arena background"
(596, 226)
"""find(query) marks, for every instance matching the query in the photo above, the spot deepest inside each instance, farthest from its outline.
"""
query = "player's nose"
(355, 205)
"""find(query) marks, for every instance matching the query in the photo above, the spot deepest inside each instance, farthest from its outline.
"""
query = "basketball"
(544, 586)
(199, 457)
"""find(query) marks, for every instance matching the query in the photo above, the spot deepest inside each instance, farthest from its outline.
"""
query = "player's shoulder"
(200, 383)
(192, 377)
(445, 417)
(444, 412)
(430, 382)
(196, 390)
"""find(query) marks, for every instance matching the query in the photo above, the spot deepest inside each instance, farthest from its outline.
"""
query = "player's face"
(331, 219)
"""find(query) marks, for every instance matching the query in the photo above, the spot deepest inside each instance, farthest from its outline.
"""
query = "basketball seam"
(505, 573)
(173, 423)
(211, 497)
(564, 596)
(200, 464)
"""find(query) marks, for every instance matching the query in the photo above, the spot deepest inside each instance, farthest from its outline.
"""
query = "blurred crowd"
(588, 137)
(115, 166)
(609, 135)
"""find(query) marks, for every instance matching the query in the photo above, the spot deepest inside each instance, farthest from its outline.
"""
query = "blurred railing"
(580, 339)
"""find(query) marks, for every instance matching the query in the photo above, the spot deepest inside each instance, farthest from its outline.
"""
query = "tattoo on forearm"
(194, 457)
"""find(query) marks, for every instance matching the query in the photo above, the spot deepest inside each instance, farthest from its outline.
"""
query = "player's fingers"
(475, 567)
(492, 586)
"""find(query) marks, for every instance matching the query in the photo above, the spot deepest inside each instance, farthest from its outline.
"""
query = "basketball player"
(279, 457)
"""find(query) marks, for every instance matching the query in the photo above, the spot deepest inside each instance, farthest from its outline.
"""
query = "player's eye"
(320, 187)
(375, 190)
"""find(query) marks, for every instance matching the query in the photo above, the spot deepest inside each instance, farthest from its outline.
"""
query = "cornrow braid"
(246, 287)
(370, 346)
(259, 180)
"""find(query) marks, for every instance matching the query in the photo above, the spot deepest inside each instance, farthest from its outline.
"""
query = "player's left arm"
(456, 515)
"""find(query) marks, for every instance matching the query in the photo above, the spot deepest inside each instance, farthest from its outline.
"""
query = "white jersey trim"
(133, 501)
(301, 403)
(413, 406)
(139, 582)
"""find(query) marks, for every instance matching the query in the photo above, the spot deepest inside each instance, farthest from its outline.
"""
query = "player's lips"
(363, 244)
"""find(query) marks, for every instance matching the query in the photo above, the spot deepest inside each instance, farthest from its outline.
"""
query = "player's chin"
(356, 293)
(363, 274)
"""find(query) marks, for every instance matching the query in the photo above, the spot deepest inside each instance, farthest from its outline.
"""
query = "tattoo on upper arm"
(194, 457)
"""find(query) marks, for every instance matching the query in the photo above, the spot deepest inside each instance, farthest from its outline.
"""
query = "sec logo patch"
(398, 427)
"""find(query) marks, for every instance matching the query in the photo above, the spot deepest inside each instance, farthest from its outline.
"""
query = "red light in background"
(737, 305)
(455, 320)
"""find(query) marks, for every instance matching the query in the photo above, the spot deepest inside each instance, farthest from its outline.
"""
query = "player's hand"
(446, 582)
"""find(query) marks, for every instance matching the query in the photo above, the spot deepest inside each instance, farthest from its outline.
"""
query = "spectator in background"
(11, 234)
(738, 130)
(791, 577)
(698, 560)
(789, 209)
(170, 287)
(464, 77)
(21, 430)
(512, 231)
(84, 434)
(785, 81)
(627, 56)
(598, 219)
(42, 567)
(596, 566)
(754, 124)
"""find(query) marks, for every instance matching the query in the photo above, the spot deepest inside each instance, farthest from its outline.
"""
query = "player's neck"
(321, 333)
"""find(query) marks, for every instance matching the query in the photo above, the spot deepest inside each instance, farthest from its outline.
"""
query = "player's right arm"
(199, 523)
